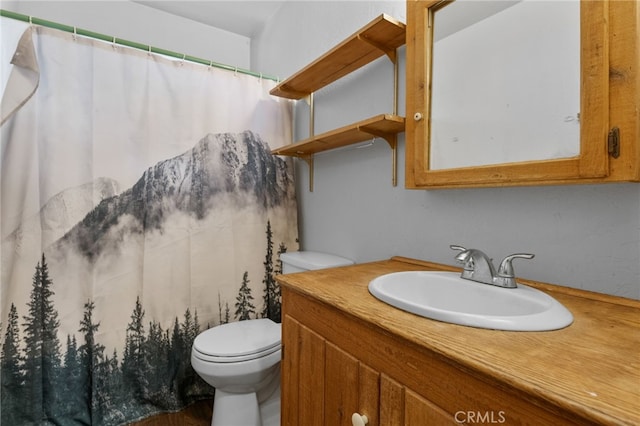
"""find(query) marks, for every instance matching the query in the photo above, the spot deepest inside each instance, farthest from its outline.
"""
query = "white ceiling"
(244, 17)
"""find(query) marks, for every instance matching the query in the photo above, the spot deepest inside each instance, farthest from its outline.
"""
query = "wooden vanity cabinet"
(335, 365)
(325, 385)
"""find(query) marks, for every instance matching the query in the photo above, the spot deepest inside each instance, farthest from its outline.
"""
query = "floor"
(198, 414)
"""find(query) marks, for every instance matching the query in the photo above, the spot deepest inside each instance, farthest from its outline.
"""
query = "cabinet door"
(321, 383)
(350, 387)
(420, 411)
(302, 375)
(400, 406)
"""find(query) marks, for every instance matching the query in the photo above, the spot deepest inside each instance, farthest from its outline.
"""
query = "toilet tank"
(299, 261)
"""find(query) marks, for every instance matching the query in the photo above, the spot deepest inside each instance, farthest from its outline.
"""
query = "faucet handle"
(464, 257)
(455, 247)
(506, 267)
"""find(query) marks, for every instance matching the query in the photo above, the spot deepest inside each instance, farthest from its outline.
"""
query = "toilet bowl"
(242, 359)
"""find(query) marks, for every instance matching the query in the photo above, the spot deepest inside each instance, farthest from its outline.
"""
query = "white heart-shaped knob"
(359, 420)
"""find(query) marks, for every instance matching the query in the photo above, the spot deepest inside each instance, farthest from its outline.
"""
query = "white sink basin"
(444, 296)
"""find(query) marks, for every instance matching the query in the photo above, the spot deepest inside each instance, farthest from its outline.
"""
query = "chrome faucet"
(478, 267)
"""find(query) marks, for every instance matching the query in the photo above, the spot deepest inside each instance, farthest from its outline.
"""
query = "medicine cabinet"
(460, 102)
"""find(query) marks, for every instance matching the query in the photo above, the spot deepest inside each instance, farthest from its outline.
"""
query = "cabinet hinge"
(613, 142)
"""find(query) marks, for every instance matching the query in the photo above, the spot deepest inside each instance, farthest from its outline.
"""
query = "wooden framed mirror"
(607, 40)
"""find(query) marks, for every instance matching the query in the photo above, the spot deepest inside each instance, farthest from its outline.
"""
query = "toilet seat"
(238, 341)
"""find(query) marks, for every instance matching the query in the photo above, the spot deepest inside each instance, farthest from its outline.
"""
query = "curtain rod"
(132, 44)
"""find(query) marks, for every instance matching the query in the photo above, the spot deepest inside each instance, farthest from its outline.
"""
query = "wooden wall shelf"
(385, 126)
(382, 36)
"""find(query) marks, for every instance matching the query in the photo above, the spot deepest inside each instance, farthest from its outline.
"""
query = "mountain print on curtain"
(153, 370)
(107, 281)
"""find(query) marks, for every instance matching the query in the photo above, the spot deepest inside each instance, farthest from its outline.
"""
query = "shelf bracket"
(312, 115)
(391, 53)
(392, 140)
(308, 99)
(308, 158)
(395, 88)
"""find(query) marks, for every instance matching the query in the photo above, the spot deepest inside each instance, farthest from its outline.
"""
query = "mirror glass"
(505, 82)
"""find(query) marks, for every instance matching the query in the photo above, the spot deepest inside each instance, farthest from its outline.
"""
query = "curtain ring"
(75, 34)
(113, 43)
(235, 73)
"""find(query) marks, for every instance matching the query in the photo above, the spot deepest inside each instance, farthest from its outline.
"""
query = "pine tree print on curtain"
(144, 207)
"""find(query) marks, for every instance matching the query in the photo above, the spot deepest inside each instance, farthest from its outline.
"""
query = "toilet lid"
(243, 339)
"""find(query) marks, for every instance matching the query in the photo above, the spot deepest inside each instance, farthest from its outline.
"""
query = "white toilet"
(242, 359)
(299, 261)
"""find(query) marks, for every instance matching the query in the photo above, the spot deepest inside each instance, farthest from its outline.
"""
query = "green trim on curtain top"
(128, 43)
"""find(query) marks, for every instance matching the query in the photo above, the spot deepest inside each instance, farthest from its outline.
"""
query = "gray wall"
(584, 236)
(136, 22)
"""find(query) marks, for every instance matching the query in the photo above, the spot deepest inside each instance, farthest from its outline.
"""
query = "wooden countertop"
(591, 368)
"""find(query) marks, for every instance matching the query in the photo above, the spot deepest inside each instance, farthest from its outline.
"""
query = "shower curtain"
(140, 205)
